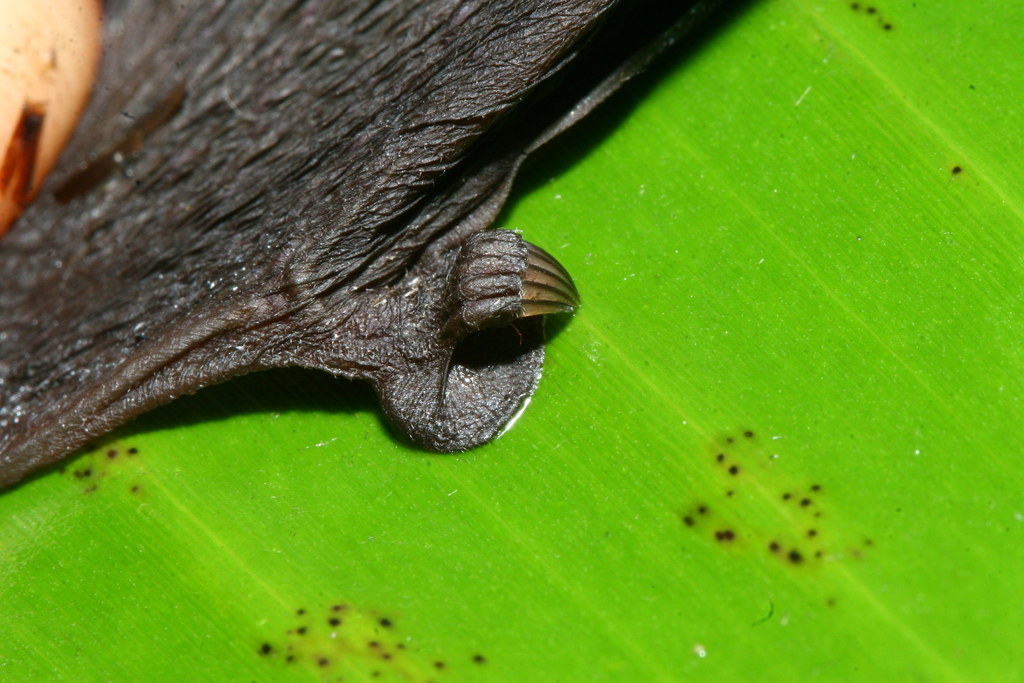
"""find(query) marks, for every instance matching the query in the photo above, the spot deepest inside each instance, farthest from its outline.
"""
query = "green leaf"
(780, 440)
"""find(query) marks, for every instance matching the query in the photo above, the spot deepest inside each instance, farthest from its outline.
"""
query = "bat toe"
(500, 277)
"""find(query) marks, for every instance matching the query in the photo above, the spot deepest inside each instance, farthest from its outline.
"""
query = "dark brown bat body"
(316, 199)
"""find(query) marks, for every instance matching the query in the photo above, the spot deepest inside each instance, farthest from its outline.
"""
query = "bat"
(267, 183)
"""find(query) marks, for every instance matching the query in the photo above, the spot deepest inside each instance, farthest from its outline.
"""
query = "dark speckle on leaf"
(774, 547)
(266, 649)
(386, 623)
(957, 170)
(749, 434)
(720, 457)
(734, 470)
(702, 509)
(479, 659)
(438, 665)
(133, 451)
(334, 621)
(805, 502)
(112, 453)
(301, 630)
(725, 535)
(795, 557)
(688, 520)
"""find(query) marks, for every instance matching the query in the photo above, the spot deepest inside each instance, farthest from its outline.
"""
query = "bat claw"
(547, 286)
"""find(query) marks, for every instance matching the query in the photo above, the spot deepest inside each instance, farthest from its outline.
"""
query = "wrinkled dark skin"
(316, 199)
